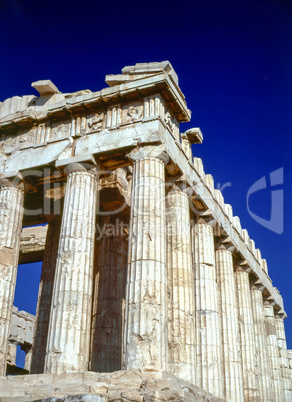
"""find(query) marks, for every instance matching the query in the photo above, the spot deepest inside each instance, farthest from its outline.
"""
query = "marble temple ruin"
(150, 289)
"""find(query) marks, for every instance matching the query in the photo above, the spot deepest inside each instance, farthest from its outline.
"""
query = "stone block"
(119, 386)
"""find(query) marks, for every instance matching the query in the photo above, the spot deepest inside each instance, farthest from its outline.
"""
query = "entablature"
(85, 103)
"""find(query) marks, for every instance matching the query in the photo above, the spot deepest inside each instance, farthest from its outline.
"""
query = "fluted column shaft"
(181, 299)
(232, 362)
(28, 356)
(11, 214)
(247, 336)
(145, 333)
(69, 328)
(284, 364)
(45, 296)
(261, 345)
(209, 373)
(109, 296)
(289, 359)
(273, 351)
(11, 353)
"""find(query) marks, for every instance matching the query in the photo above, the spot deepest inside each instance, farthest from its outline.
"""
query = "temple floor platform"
(131, 385)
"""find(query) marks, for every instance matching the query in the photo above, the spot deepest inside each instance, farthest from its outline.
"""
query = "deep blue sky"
(234, 62)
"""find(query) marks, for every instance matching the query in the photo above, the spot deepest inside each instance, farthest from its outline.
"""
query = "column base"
(128, 385)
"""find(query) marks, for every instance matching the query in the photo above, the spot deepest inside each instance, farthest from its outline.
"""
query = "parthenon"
(150, 288)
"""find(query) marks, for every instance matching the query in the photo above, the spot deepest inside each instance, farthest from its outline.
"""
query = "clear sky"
(234, 63)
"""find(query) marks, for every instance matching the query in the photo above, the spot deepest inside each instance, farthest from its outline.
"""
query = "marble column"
(289, 358)
(232, 363)
(145, 333)
(284, 363)
(261, 344)
(273, 351)
(109, 295)
(11, 214)
(69, 327)
(28, 355)
(209, 370)
(11, 353)
(181, 298)
(247, 334)
(45, 296)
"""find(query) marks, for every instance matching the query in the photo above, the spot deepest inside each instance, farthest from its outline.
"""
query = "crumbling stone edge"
(119, 386)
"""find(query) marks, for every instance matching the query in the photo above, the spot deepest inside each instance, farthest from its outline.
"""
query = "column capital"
(269, 301)
(179, 183)
(242, 266)
(280, 314)
(225, 243)
(80, 167)
(149, 152)
(256, 284)
(82, 163)
(205, 218)
(12, 179)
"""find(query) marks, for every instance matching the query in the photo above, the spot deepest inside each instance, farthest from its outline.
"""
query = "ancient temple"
(150, 288)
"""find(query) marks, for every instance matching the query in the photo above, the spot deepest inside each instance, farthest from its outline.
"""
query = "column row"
(186, 310)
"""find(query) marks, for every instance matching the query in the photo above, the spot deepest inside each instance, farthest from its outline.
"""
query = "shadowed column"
(45, 296)
(109, 296)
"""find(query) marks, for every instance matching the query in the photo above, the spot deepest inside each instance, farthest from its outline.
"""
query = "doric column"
(289, 359)
(284, 363)
(247, 333)
(11, 353)
(261, 344)
(209, 370)
(45, 296)
(181, 299)
(69, 327)
(273, 351)
(232, 363)
(145, 333)
(11, 214)
(109, 295)
(28, 355)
